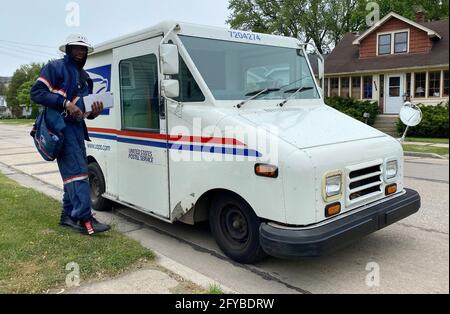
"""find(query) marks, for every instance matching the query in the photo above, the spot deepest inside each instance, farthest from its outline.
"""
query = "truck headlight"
(391, 169)
(333, 185)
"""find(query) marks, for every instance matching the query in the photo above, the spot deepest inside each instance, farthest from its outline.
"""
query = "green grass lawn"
(17, 121)
(426, 149)
(34, 250)
(428, 140)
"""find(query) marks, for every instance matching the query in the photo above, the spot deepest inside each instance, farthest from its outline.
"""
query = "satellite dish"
(411, 115)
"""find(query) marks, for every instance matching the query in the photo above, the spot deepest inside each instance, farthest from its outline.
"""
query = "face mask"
(80, 63)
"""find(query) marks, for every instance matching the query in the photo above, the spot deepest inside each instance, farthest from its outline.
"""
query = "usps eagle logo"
(101, 77)
(101, 83)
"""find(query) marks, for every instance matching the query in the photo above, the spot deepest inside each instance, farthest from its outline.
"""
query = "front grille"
(365, 183)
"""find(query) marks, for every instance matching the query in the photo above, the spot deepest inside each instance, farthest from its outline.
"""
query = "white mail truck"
(230, 127)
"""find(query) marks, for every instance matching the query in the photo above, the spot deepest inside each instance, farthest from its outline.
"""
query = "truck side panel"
(102, 148)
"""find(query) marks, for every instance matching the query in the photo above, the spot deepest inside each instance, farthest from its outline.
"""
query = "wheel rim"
(95, 188)
(234, 225)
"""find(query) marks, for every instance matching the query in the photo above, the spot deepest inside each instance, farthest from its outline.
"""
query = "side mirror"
(170, 88)
(170, 59)
(411, 116)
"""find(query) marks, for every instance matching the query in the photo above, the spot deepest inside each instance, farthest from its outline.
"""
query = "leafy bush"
(434, 124)
(354, 108)
(35, 110)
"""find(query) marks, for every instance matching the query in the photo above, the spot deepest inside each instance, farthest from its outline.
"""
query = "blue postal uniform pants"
(73, 167)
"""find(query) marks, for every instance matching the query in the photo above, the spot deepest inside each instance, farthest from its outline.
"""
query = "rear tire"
(235, 228)
(98, 188)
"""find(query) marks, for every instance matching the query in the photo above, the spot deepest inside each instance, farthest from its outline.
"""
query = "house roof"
(431, 33)
(313, 59)
(345, 57)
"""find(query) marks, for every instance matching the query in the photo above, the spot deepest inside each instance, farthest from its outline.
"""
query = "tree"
(435, 9)
(3, 89)
(24, 98)
(318, 21)
(23, 93)
(21, 83)
(322, 22)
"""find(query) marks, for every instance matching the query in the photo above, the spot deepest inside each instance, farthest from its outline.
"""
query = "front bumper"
(319, 241)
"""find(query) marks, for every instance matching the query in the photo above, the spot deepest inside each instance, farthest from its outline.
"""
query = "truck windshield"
(235, 70)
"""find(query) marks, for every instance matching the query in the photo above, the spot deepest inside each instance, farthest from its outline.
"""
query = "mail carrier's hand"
(73, 109)
(97, 109)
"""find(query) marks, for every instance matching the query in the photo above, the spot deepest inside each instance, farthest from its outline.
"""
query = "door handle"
(162, 108)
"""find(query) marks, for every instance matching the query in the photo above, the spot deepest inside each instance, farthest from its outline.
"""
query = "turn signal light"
(333, 209)
(264, 170)
(391, 189)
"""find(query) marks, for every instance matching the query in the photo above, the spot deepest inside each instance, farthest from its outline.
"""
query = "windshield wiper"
(296, 81)
(295, 92)
(256, 94)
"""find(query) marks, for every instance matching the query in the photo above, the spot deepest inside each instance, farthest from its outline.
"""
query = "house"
(395, 60)
(5, 81)
(26, 111)
(5, 111)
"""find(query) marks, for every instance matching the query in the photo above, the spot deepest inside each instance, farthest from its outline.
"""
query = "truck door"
(142, 164)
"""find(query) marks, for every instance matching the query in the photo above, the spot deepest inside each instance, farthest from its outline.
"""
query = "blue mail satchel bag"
(47, 134)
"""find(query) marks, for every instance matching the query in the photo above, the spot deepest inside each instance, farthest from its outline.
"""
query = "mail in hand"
(106, 98)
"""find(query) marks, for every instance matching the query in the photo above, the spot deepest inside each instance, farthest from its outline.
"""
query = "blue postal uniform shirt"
(60, 80)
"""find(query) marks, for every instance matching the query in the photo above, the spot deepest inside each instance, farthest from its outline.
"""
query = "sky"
(32, 31)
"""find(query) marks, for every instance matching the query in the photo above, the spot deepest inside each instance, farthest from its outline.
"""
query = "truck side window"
(139, 92)
(189, 89)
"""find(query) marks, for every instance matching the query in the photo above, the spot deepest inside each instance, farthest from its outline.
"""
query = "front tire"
(98, 188)
(235, 228)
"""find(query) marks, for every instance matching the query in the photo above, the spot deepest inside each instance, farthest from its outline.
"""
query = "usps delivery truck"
(230, 127)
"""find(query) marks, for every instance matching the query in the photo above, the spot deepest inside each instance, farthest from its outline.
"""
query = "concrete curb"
(190, 274)
(425, 155)
(167, 263)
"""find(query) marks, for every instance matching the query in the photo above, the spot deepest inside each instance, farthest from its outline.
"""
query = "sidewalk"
(427, 144)
(428, 150)
(20, 162)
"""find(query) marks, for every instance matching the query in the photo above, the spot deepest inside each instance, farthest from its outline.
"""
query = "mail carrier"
(231, 127)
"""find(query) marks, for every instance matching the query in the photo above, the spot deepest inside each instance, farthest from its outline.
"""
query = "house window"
(435, 84)
(367, 87)
(445, 84)
(334, 85)
(408, 84)
(356, 87)
(394, 42)
(384, 44)
(420, 84)
(401, 42)
(345, 87)
(382, 86)
(394, 86)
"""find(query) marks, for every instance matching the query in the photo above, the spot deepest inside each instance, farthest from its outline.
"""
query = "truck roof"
(189, 29)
